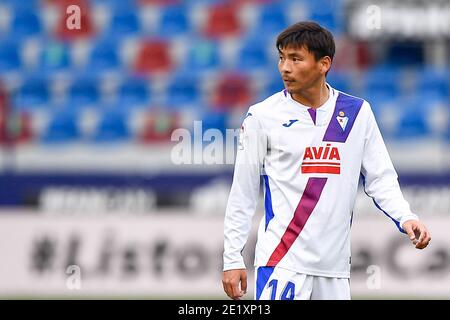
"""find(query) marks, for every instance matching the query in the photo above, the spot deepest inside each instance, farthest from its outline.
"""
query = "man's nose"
(285, 67)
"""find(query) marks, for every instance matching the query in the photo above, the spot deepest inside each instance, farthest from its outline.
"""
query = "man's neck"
(313, 97)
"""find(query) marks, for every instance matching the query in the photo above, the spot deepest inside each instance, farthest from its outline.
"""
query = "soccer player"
(311, 143)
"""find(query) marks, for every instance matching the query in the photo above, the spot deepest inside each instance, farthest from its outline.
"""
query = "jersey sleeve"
(244, 193)
(380, 179)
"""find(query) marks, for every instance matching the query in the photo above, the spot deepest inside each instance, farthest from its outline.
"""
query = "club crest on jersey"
(342, 120)
(321, 160)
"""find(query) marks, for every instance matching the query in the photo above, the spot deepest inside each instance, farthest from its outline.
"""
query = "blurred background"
(93, 201)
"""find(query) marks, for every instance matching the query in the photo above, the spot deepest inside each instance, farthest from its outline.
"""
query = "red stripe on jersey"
(321, 169)
(330, 163)
(305, 207)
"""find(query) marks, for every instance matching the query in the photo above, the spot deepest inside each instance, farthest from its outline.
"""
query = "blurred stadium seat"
(125, 21)
(134, 92)
(153, 57)
(252, 55)
(174, 21)
(26, 23)
(86, 28)
(222, 21)
(272, 19)
(434, 83)
(54, 57)
(9, 56)
(62, 128)
(232, 90)
(34, 92)
(84, 91)
(202, 55)
(413, 120)
(112, 127)
(340, 81)
(158, 126)
(382, 83)
(183, 90)
(105, 56)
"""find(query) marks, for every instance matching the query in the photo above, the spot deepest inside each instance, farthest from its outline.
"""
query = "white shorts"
(274, 283)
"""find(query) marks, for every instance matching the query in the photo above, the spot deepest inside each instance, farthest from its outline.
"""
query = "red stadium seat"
(86, 24)
(232, 91)
(159, 2)
(158, 127)
(222, 21)
(153, 57)
(3, 114)
(15, 127)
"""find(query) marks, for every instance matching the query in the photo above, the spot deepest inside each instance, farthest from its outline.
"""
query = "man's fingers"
(237, 294)
(227, 289)
(231, 281)
(244, 283)
(417, 233)
(424, 240)
(409, 230)
(422, 235)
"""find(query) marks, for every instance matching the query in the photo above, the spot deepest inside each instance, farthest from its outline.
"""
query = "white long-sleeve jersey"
(311, 162)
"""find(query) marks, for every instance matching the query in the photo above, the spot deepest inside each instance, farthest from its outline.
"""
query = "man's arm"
(242, 203)
(381, 184)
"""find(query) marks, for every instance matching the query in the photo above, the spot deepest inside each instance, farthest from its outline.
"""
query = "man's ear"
(325, 64)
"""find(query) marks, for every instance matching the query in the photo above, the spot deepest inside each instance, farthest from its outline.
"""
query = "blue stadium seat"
(25, 23)
(214, 120)
(326, 13)
(340, 81)
(116, 3)
(20, 5)
(434, 83)
(174, 21)
(382, 83)
(327, 20)
(9, 56)
(203, 55)
(134, 92)
(104, 56)
(34, 92)
(413, 121)
(124, 21)
(183, 89)
(112, 127)
(84, 91)
(272, 19)
(62, 128)
(253, 55)
(54, 57)
(274, 85)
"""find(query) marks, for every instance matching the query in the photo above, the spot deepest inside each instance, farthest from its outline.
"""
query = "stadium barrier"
(180, 256)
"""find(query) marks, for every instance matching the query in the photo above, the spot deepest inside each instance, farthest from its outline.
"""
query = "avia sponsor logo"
(322, 160)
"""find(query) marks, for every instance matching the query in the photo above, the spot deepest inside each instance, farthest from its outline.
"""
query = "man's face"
(299, 68)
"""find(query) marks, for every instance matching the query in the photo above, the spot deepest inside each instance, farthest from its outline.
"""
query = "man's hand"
(231, 280)
(417, 233)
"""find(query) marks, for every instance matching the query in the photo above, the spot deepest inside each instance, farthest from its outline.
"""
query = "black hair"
(316, 39)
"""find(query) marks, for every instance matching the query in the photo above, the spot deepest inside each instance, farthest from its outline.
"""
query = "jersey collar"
(323, 108)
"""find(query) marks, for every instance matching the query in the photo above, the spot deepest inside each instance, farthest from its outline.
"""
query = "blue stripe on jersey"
(397, 223)
(262, 277)
(268, 202)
